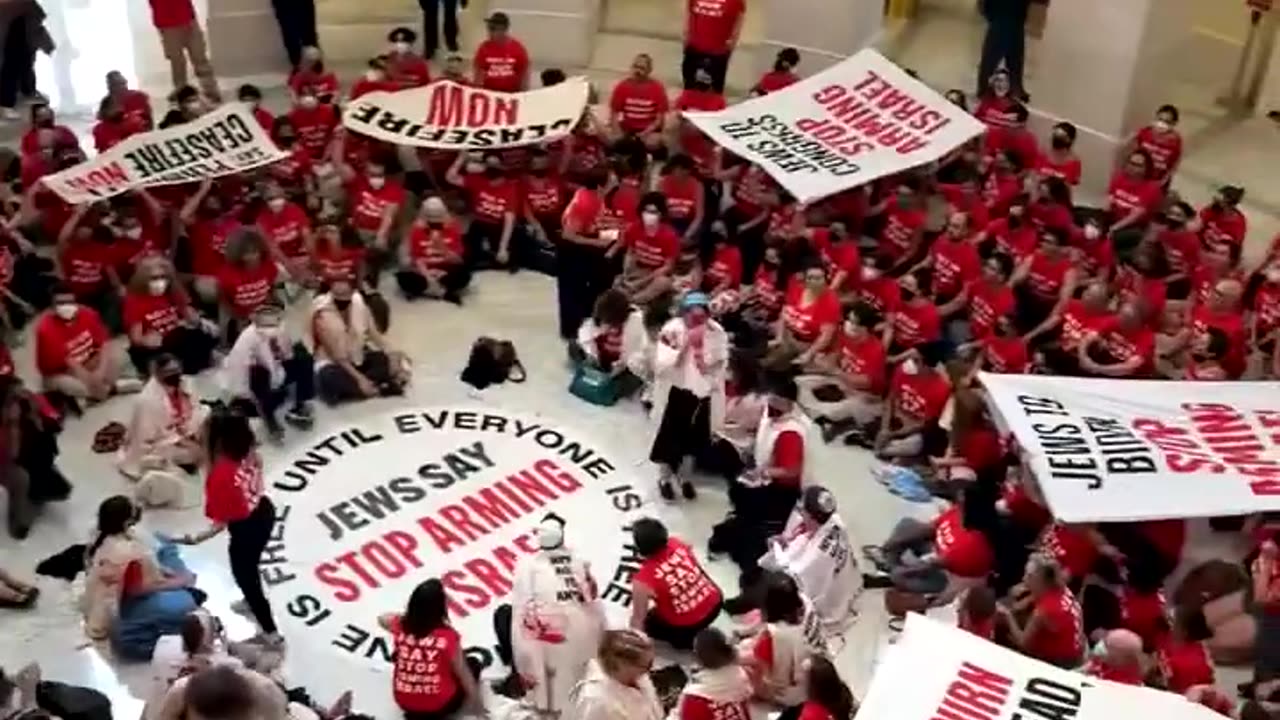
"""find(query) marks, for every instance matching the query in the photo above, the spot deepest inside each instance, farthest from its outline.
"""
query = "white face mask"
(373, 76)
(157, 286)
(1092, 232)
(475, 167)
(276, 204)
(133, 233)
(1273, 275)
(401, 48)
(869, 273)
(323, 170)
(308, 102)
(377, 182)
(66, 311)
(1162, 126)
(550, 534)
(910, 366)
(650, 220)
(850, 328)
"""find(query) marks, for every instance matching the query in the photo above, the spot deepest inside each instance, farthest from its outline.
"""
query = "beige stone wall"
(351, 30)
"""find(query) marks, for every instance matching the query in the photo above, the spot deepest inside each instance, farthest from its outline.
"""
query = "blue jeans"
(144, 618)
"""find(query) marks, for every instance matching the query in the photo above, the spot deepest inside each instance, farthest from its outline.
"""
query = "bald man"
(1120, 660)
(1121, 347)
(1223, 312)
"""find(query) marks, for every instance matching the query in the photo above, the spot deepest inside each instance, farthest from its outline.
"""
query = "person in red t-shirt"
(1133, 195)
(827, 695)
(977, 612)
(432, 262)
(685, 196)
(810, 318)
(159, 319)
(247, 279)
(208, 225)
(545, 195)
(638, 105)
(404, 67)
(181, 38)
(430, 677)
(310, 72)
(1004, 351)
(1060, 160)
(996, 101)
(672, 597)
(1121, 347)
(938, 559)
(955, 264)
(72, 351)
(135, 104)
(374, 202)
(314, 121)
(722, 690)
(782, 75)
(1162, 142)
(501, 62)
(902, 235)
(857, 370)
(918, 393)
(287, 230)
(1054, 631)
(651, 247)
(1013, 138)
(1221, 222)
(339, 255)
(989, 297)
(916, 322)
(1180, 657)
(491, 239)
(697, 97)
(113, 125)
(87, 262)
(711, 30)
(235, 500)
(1045, 282)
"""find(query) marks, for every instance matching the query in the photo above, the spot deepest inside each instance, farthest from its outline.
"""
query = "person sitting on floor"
(221, 691)
(159, 318)
(816, 551)
(164, 429)
(672, 597)
(1121, 658)
(792, 633)
(1053, 631)
(265, 369)
(721, 690)
(432, 263)
(847, 396)
(73, 354)
(353, 360)
(918, 393)
(28, 469)
(603, 340)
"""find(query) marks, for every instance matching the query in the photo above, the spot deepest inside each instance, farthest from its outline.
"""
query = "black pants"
(582, 274)
(336, 386)
(32, 281)
(1005, 40)
(716, 65)
(758, 513)
(192, 346)
(450, 709)
(297, 20)
(414, 284)
(685, 429)
(482, 240)
(248, 539)
(502, 634)
(679, 637)
(18, 66)
(431, 25)
(299, 382)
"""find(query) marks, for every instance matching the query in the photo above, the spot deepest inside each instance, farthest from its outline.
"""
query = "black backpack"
(492, 362)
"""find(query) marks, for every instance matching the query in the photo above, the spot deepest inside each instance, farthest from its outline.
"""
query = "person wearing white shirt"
(265, 368)
(617, 684)
(688, 393)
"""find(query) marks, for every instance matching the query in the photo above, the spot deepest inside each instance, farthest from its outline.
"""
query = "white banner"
(856, 121)
(224, 141)
(1112, 450)
(448, 116)
(939, 671)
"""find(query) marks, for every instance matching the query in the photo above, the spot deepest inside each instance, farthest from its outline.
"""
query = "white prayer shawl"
(729, 684)
(600, 697)
(355, 330)
(792, 644)
(671, 370)
(155, 430)
(823, 566)
(556, 624)
(253, 349)
(771, 428)
(637, 348)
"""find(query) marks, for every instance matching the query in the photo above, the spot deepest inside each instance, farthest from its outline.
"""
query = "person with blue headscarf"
(690, 358)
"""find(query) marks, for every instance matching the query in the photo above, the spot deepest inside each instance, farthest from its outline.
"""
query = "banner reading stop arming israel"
(223, 141)
(1113, 450)
(856, 121)
(448, 116)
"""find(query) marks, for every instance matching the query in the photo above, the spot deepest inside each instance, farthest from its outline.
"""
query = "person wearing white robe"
(164, 428)
(815, 550)
(556, 621)
(617, 685)
(791, 633)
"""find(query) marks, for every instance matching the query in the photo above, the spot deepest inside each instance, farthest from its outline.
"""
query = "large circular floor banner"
(380, 505)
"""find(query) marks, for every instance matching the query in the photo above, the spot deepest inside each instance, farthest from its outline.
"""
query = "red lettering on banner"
(455, 106)
(1220, 439)
(881, 113)
(975, 694)
(446, 106)
(106, 176)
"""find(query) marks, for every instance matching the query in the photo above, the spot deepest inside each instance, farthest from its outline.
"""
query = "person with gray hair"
(432, 262)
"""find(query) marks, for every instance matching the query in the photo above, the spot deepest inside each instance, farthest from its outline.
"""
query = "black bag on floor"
(492, 362)
(72, 702)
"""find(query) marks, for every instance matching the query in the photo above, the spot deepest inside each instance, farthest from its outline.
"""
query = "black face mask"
(286, 141)
(342, 304)
(173, 380)
(433, 225)
(1061, 143)
(539, 171)
(44, 122)
(909, 295)
(493, 172)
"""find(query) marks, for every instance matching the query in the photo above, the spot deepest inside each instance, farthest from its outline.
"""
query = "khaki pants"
(181, 43)
(108, 369)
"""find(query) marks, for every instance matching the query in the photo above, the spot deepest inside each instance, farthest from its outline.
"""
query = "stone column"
(1106, 66)
(352, 31)
(824, 32)
(244, 41)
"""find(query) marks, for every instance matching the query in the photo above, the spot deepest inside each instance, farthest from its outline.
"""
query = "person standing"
(711, 30)
(236, 501)
(297, 20)
(22, 33)
(501, 62)
(182, 38)
(431, 10)
(1005, 41)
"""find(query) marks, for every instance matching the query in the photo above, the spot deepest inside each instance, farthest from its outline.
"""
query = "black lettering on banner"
(1045, 699)
(308, 609)
(392, 124)
(239, 131)
(1064, 443)
(363, 114)
(358, 641)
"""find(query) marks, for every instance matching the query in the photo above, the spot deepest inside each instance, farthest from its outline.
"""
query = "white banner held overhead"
(223, 141)
(1112, 450)
(856, 121)
(448, 116)
(938, 671)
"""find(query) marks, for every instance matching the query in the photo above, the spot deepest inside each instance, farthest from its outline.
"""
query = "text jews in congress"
(379, 506)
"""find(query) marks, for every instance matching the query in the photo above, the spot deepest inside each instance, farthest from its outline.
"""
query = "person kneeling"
(354, 360)
(609, 340)
(432, 264)
(265, 368)
(685, 600)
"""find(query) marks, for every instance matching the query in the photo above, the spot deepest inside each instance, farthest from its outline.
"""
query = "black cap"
(498, 19)
(402, 34)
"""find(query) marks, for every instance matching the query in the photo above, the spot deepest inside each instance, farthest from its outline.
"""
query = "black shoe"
(876, 582)
(858, 439)
(510, 686)
(666, 490)
(454, 297)
(688, 491)
(300, 417)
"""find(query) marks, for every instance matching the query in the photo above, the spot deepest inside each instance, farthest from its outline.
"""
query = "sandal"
(897, 622)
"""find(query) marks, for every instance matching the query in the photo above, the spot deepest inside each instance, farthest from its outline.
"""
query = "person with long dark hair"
(827, 697)
(236, 501)
(436, 690)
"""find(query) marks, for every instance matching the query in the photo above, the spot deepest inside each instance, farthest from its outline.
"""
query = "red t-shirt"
(1143, 613)
(172, 13)
(1183, 664)
(59, 342)
(698, 707)
(725, 268)
(1097, 257)
(996, 111)
(638, 104)
(806, 321)
(609, 344)
(988, 302)
(1122, 344)
(62, 135)
(683, 194)
(1018, 141)
(1165, 149)
(1026, 511)
(1128, 194)
(1047, 275)
(651, 251)
(963, 552)
(1016, 242)
(246, 289)
(491, 199)
(882, 294)
(208, 241)
(285, 228)
(915, 324)
(1071, 548)
(766, 290)
(1266, 306)
(999, 191)
(813, 711)
(1131, 675)
(865, 357)
(265, 119)
(1005, 354)
(368, 204)
(683, 595)
(985, 629)
(843, 256)
(901, 227)
(1181, 249)
(292, 170)
(955, 264)
(136, 106)
(775, 80)
(84, 265)
(501, 65)
(422, 678)
(981, 447)
(1078, 321)
(233, 488)
(159, 314)
(1153, 293)
(788, 454)
(710, 24)
(1225, 226)
(315, 127)
(408, 70)
(337, 262)
(692, 140)
(1069, 169)
(1061, 639)
(922, 396)
(583, 213)
(107, 135)
(323, 84)
(1230, 324)
(544, 196)
(423, 249)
